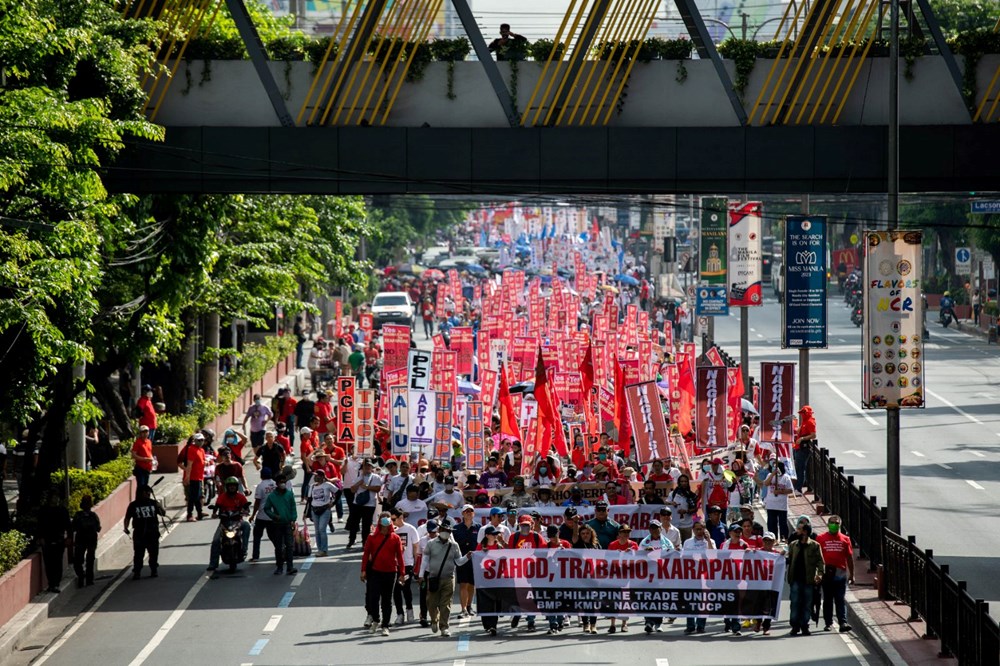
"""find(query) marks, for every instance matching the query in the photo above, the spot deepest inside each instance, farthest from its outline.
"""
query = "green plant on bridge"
(972, 45)
(541, 49)
(450, 51)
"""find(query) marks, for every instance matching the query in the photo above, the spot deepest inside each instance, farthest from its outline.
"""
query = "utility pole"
(892, 414)
(803, 352)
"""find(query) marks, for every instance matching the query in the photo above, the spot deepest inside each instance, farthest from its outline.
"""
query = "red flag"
(508, 417)
(686, 387)
(587, 371)
(621, 412)
(549, 423)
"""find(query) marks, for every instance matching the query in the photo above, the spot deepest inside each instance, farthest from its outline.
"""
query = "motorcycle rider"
(232, 501)
(947, 309)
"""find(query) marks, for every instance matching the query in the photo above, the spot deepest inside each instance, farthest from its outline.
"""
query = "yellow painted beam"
(854, 78)
(399, 14)
(774, 67)
(192, 34)
(576, 57)
(343, 59)
(420, 34)
(612, 30)
(848, 37)
(814, 54)
(318, 76)
(542, 77)
(645, 21)
(856, 39)
(560, 71)
(803, 35)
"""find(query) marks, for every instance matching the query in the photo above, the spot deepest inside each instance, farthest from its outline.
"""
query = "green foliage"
(670, 49)
(12, 547)
(410, 53)
(972, 46)
(991, 308)
(223, 41)
(255, 361)
(171, 428)
(450, 50)
(98, 482)
(541, 49)
(316, 49)
(744, 53)
(987, 235)
(957, 16)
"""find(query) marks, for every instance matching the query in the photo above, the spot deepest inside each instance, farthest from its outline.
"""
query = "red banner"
(443, 374)
(647, 370)
(345, 410)
(395, 345)
(488, 394)
(461, 344)
(366, 323)
(338, 319)
(475, 444)
(365, 416)
(712, 400)
(444, 406)
(606, 402)
(735, 401)
(777, 401)
(648, 427)
(672, 375)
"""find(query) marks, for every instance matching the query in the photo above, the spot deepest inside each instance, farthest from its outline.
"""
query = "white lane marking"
(100, 602)
(855, 452)
(298, 578)
(841, 340)
(854, 650)
(174, 618)
(247, 663)
(943, 466)
(458, 662)
(974, 484)
(760, 336)
(662, 662)
(961, 411)
(753, 330)
(977, 453)
(918, 454)
(851, 403)
(272, 624)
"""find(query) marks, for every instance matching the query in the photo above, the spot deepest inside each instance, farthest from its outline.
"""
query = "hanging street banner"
(714, 223)
(777, 401)
(745, 255)
(803, 312)
(418, 370)
(648, 427)
(712, 583)
(366, 421)
(345, 410)
(400, 423)
(711, 402)
(893, 345)
(711, 301)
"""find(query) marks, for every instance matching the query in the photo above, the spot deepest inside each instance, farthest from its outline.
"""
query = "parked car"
(392, 307)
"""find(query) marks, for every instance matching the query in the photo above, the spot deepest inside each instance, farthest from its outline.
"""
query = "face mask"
(149, 394)
(704, 468)
(443, 536)
(602, 456)
(493, 468)
(833, 527)
(256, 402)
(543, 470)
(384, 522)
(281, 486)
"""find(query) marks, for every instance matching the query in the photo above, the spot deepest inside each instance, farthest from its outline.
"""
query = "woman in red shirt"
(623, 542)
(381, 567)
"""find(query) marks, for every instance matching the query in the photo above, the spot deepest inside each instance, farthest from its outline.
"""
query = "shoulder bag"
(434, 584)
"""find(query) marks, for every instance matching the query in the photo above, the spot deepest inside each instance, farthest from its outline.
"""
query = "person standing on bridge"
(507, 41)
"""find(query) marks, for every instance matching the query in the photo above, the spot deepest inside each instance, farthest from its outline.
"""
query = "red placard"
(395, 346)
(444, 406)
(475, 443)
(345, 410)
(714, 357)
(438, 340)
(648, 427)
(461, 344)
(712, 401)
(606, 402)
(672, 375)
(338, 318)
(365, 416)
(735, 417)
(488, 390)
(366, 322)
(777, 401)
(443, 375)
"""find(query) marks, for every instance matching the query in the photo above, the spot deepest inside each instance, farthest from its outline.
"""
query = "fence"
(908, 574)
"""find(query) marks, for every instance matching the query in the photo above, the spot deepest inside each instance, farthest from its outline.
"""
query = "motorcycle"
(231, 539)
(858, 315)
(946, 316)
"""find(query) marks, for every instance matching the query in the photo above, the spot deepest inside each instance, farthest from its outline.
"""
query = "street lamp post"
(892, 414)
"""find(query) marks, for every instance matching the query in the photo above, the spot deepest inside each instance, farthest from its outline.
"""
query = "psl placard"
(893, 331)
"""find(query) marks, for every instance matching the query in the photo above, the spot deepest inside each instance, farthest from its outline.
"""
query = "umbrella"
(412, 269)
(466, 387)
(608, 287)
(433, 274)
(523, 387)
(748, 407)
(475, 268)
(627, 279)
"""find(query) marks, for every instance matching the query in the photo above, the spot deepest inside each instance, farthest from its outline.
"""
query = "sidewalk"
(114, 561)
(883, 624)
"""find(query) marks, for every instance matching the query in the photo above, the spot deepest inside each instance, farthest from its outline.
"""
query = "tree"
(957, 16)
(945, 223)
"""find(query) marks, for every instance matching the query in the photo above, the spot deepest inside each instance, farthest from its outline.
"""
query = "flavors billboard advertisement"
(893, 341)
(745, 255)
(714, 223)
(803, 311)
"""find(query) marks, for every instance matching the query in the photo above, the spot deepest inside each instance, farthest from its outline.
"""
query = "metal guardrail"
(907, 573)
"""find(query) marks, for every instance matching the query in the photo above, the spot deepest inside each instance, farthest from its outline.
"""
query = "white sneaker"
(445, 633)
(368, 622)
(385, 631)
(409, 615)
(374, 627)
(400, 620)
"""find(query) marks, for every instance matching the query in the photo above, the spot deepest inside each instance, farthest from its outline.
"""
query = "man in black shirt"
(143, 514)
(506, 42)
(304, 411)
(270, 455)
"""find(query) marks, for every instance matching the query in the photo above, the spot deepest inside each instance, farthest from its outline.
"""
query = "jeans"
(428, 328)
(378, 595)
(801, 605)
(404, 593)
(194, 498)
(834, 590)
(140, 545)
(696, 623)
(141, 476)
(217, 542)
(321, 521)
(338, 507)
(777, 522)
(299, 348)
(801, 458)
(306, 478)
(280, 535)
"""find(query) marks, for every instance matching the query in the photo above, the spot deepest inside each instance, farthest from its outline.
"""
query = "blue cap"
(496, 511)
(432, 526)
(265, 472)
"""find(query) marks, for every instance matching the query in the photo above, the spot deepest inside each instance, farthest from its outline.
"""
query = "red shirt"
(662, 476)
(628, 545)
(288, 407)
(143, 448)
(533, 540)
(562, 544)
(836, 549)
(728, 545)
(235, 503)
(371, 357)
(389, 557)
(147, 414)
(324, 410)
(284, 443)
(196, 463)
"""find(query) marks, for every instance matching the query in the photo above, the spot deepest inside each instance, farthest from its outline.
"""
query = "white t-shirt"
(453, 500)
(370, 480)
(408, 535)
(673, 535)
(773, 501)
(693, 544)
(351, 472)
(414, 506)
(260, 494)
(322, 494)
(501, 528)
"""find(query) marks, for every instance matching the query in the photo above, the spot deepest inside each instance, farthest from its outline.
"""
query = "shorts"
(463, 574)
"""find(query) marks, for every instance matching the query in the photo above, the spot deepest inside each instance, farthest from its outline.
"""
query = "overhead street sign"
(985, 207)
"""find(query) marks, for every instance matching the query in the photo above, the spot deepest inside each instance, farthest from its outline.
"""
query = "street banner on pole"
(777, 401)
(418, 370)
(345, 410)
(365, 413)
(395, 345)
(714, 223)
(712, 402)
(554, 582)
(648, 427)
(893, 341)
(745, 255)
(803, 311)
(422, 421)
(400, 424)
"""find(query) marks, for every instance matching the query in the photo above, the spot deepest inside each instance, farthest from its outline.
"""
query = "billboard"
(803, 312)
(893, 345)
(714, 232)
(745, 255)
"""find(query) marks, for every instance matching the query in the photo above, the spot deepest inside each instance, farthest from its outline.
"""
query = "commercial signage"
(745, 255)
(711, 301)
(803, 311)
(714, 232)
(554, 582)
(893, 344)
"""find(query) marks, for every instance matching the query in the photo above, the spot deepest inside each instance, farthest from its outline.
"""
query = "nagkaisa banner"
(711, 583)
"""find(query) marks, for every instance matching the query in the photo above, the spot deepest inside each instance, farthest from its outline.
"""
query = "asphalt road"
(950, 450)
